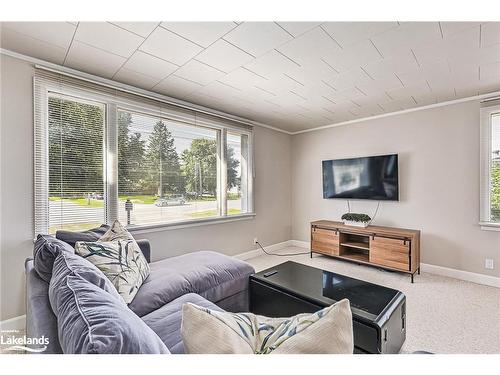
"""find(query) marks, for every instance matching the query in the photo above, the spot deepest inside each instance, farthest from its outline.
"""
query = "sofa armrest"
(145, 247)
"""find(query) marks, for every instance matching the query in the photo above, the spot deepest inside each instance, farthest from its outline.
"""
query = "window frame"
(110, 158)
(486, 113)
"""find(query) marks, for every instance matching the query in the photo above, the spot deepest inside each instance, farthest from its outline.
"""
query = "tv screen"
(373, 177)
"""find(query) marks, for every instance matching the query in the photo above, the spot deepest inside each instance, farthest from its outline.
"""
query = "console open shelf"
(356, 245)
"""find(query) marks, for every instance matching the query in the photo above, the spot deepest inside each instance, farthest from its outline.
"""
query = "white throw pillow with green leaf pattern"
(119, 257)
(328, 331)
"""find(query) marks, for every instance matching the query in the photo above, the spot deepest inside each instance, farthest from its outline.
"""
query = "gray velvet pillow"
(91, 321)
(45, 251)
(91, 315)
(90, 235)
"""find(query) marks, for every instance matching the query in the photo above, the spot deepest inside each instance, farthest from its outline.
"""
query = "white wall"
(439, 181)
(272, 194)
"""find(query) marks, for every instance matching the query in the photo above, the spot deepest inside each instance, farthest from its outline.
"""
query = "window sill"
(140, 229)
(487, 225)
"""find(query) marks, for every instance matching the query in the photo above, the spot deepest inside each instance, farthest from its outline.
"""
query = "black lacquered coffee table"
(379, 313)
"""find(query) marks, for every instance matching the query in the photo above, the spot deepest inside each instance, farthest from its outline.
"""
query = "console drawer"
(324, 248)
(325, 241)
(389, 258)
(392, 244)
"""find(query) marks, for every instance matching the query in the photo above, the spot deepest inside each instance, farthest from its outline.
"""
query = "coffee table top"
(325, 288)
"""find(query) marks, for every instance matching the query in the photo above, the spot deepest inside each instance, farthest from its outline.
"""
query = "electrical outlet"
(255, 240)
(488, 264)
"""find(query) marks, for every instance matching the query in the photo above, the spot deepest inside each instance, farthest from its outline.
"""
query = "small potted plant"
(356, 220)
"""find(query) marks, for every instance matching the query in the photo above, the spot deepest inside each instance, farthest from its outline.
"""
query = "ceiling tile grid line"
(311, 73)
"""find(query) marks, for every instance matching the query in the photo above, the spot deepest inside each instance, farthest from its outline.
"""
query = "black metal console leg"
(418, 271)
(412, 278)
(311, 254)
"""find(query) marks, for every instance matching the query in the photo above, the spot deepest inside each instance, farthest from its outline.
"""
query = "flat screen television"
(372, 177)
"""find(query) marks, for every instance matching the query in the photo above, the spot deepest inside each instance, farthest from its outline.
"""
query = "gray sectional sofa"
(205, 278)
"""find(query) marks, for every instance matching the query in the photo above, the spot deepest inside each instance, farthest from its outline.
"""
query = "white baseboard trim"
(255, 253)
(472, 277)
(477, 278)
(14, 324)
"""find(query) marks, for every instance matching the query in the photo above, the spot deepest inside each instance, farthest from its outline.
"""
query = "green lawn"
(210, 213)
(95, 203)
(142, 199)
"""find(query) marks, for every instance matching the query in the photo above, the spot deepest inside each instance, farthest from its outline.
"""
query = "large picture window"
(490, 160)
(100, 156)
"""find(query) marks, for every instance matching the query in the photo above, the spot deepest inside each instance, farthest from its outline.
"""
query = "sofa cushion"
(89, 235)
(92, 321)
(45, 251)
(166, 321)
(119, 257)
(212, 275)
(327, 331)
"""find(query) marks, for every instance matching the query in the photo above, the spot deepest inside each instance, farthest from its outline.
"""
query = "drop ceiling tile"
(402, 62)
(257, 38)
(27, 45)
(450, 28)
(201, 33)
(398, 105)
(418, 90)
(463, 91)
(346, 33)
(168, 46)
(134, 78)
(464, 73)
(141, 28)
(311, 45)
(198, 72)
(459, 46)
(176, 87)
(271, 64)
(108, 37)
(348, 79)
(149, 65)
(407, 36)
(379, 86)
(298, 28)
(58, 34)
(490, 34)
(242, 78)
(93, 60)
(490, 72)
(352, 56)
(223, 56)
(218, 90)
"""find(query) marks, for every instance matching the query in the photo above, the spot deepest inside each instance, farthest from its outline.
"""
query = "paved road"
(63, 212)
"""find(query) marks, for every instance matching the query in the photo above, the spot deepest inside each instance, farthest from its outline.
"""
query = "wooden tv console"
(395, 249)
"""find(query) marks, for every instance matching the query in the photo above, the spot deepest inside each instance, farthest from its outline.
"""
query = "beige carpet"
(444, 315)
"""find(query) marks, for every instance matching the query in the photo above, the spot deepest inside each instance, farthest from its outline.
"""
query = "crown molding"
(134, 90)
(483, 97)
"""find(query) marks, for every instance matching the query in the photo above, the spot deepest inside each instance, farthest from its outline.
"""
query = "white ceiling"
(291, 75)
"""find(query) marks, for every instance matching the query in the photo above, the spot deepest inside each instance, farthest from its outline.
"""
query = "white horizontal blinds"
(495, 168)
(75, 163)
(167, 169)
(237, 164)
(41, 173)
